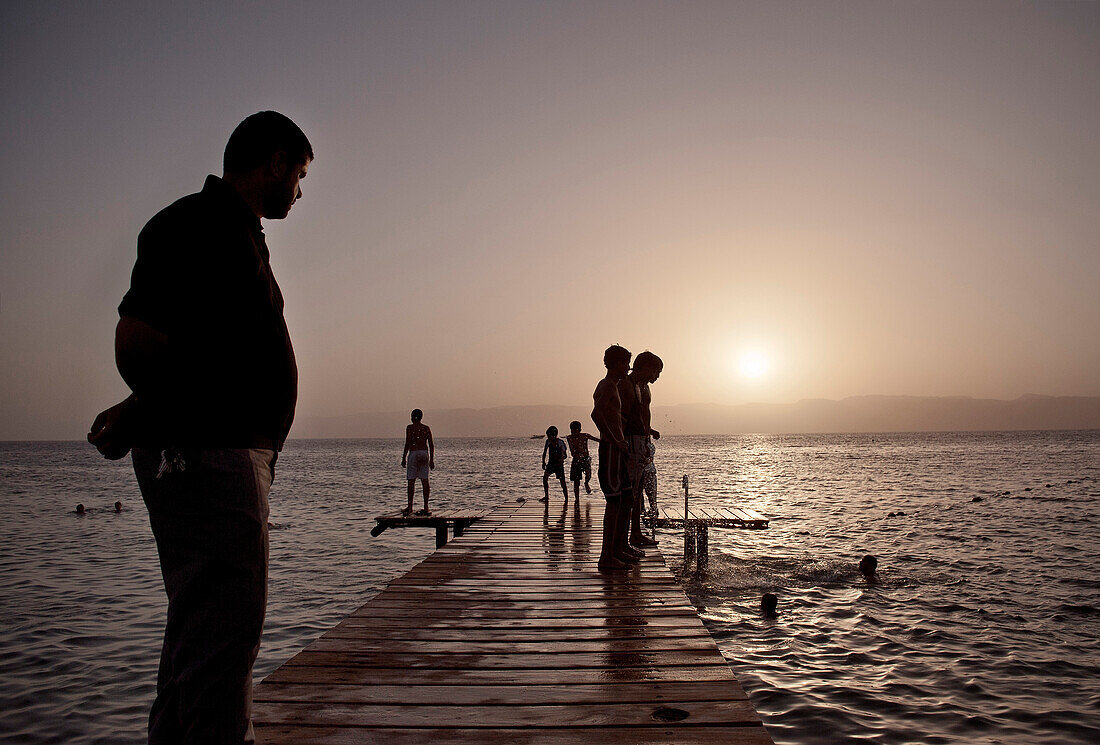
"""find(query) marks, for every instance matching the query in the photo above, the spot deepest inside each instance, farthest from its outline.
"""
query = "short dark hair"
(259, 137)
(614, 355)
(551, 431)
(417, 415)
(649, 359)
(575, 425)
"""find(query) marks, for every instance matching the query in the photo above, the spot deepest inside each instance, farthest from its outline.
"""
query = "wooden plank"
(508, 695)
(611, 658)
(495, 717)
(657, 735)
(545, 646)
(396, 676)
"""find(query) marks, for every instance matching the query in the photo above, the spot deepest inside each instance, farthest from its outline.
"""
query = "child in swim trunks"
(417, 459)
(553, 462)
(582, 460)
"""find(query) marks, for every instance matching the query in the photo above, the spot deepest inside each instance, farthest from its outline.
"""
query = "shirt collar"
(228, 197)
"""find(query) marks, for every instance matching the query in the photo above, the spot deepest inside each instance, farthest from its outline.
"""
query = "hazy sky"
(879, 198)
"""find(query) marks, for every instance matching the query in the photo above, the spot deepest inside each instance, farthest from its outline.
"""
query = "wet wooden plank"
(509, 634)
(612, 657)
(656, 735)
(397, 676)
(573, 714)
(486, 695)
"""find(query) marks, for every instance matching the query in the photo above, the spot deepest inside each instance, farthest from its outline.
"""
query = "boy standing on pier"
(612, 471)
(417, 459)
(581, 464)
(553, 462)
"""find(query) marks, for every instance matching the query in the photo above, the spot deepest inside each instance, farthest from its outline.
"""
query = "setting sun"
(753, 364)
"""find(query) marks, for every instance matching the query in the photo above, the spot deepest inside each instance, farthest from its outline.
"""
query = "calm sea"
(983, 628)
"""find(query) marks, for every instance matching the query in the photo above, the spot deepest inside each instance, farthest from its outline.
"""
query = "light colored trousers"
(209, 519)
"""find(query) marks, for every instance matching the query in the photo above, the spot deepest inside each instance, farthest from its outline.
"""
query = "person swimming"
(118, 506)
(80, 510)
(768, 604)
(868, 565)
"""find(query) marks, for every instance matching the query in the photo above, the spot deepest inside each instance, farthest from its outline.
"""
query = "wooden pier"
(509, 634)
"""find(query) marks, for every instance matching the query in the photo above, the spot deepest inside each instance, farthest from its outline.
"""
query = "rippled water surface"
(984, 626)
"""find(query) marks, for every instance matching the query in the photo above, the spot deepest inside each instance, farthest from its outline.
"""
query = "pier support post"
(441, 535)
(689, 542)
(702, 559)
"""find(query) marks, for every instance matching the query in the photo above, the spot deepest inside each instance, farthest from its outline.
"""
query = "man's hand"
(656, 435)
(403, 463)
(431, 464)
(112, 430)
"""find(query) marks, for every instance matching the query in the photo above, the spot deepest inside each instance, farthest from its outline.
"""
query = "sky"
(782, 200)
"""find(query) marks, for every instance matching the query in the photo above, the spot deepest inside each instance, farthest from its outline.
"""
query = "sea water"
(982, 627)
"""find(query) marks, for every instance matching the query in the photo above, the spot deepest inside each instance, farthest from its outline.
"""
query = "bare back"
(417, 436)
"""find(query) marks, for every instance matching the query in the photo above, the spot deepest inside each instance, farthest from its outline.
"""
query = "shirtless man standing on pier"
(418, 458)
(637, 418)
(612, 471)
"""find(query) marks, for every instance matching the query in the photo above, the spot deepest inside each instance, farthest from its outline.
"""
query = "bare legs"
(412, 488)
(608, 559)
(546, 487)
(637, 537)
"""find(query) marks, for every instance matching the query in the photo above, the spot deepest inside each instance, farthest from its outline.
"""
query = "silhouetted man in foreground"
(202, 343)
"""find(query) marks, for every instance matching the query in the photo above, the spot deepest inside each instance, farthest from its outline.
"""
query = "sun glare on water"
(753, 364)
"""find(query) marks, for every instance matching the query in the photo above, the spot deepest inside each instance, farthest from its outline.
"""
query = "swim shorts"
(417, 465)
(612, 472)
(637, 456)
(556, 467)
(580, 467)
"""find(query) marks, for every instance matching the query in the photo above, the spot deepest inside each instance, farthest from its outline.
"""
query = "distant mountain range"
(855, 414)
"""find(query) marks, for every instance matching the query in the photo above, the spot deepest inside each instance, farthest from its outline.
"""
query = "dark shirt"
(555, 451)
(203, 278)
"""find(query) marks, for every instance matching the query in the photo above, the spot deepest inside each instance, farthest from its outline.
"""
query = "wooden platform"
(715, 517)
(442, 520)
(509, 634)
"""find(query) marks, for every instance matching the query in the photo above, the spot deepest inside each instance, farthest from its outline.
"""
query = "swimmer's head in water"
(768, 604)
(80, 509)
(551, 431)
(868, 564)
(574, 426)
(417, 415)
(118, 506)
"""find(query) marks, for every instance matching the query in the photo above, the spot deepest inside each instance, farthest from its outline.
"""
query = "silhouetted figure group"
(621, 412)
(553, 461)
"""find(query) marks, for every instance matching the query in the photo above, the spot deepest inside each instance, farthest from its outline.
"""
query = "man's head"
(617, 361)
(648, 366)
(267, 156)
(575, 427)
(417, 415)
(551, 431)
